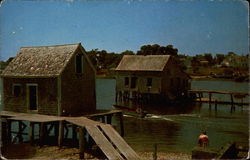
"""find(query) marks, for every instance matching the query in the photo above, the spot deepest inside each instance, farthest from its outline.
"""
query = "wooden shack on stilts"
(150, 79)
(52, 88)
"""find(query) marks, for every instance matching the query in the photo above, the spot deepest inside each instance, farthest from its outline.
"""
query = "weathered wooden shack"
(51, 80)
(156, 78)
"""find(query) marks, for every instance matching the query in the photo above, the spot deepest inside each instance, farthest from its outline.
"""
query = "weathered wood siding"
(169, 83)
(174, 81)
(47, 95)
(78, 89)
(141, 85)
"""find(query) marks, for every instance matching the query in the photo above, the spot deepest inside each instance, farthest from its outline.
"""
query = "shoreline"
(27, 151)
(203, 77)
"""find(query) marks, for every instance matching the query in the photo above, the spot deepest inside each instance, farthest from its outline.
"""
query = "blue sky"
(193, 27)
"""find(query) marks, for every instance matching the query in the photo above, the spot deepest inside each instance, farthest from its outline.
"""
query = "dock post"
(8, 126)
(155, 152)
(232, 100)
(210, 99)
(103, 119)
(61, 133)
(109, 119)
(82, 142)
(3, 141)
(74, 134)
(42, 133)
(215, 105)
(20, 129)
(232, 103)
(121, 124)
(56, 130)
(31, 132)
(199, 96)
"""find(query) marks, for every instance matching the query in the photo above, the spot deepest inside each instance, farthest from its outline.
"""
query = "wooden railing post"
(61, 133)
(31, 132)
(82, 143)
(8, 130)
(121, 124)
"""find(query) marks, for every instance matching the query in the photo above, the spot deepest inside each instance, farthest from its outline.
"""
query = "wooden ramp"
(111, 143)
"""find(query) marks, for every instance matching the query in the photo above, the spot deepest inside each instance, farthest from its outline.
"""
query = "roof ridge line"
(51, 45)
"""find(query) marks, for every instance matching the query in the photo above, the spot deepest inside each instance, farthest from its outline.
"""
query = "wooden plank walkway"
(119, 142)
(233, 96)
(105, 136)
(81, 121)
(107, 148)
(218, 92)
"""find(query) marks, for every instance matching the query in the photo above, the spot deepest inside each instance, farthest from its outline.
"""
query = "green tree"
(127, 52)
(157, 50)
(209, 58)
(219, 58)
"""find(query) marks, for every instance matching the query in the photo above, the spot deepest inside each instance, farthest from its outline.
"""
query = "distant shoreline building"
(51, 80)
(152, 78)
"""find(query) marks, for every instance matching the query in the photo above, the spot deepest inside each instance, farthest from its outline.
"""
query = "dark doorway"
(32, 97)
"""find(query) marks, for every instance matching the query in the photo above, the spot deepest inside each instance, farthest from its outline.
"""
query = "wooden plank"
(218, 92)
(103, 113)
(118, 141)
(103, 143)
(10, 114)
(36, 118)
(82, 121)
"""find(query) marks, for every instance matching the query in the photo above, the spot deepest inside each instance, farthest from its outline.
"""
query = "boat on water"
(138, 112)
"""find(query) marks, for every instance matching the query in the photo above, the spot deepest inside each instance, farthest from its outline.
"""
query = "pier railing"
(233, 96)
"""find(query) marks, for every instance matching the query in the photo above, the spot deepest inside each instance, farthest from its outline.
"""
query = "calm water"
(178, 132)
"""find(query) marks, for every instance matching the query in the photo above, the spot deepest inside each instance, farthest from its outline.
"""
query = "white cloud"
(13, 32)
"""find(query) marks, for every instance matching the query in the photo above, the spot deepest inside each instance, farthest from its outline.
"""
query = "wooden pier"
(104, 135)
(233, 95)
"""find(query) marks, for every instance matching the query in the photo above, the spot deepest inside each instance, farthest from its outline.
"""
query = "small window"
(79, 63)
(133, 82)
(16, 90)
(126, 81)
(149, 82)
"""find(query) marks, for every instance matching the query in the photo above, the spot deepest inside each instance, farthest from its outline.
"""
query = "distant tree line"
(104, 60)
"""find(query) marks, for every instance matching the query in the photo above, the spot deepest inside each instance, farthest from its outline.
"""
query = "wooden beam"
(8, 130)
(42, 130)
(121, 124)
(74, 133)
(56, 129)
(4, 131)
(109, 119)
(82, 143)
(61, 133)
(31, 132)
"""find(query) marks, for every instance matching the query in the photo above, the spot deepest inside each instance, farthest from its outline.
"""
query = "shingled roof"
(143, 63)
(42, 61)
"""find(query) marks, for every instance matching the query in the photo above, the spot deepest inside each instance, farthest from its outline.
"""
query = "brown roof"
(42, 61)
(143, 63)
